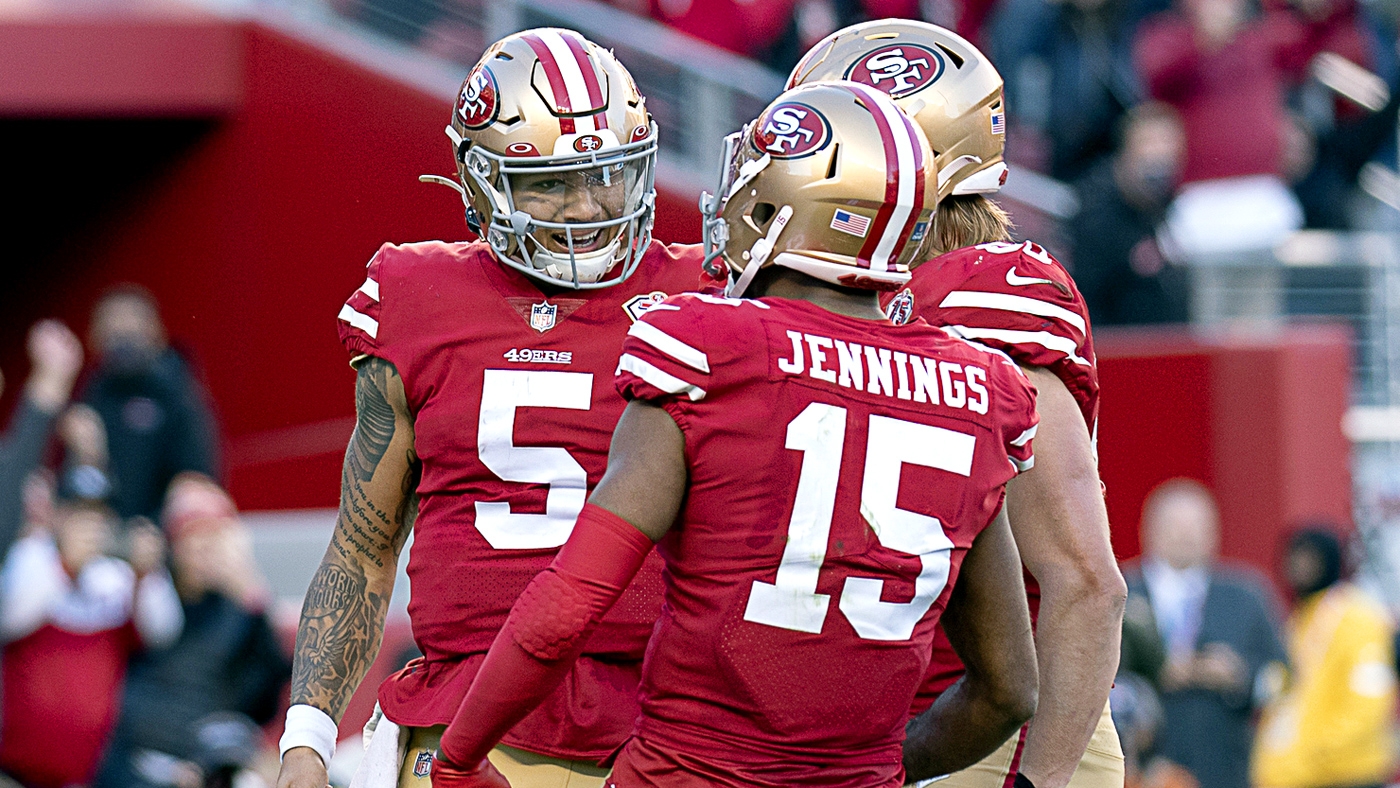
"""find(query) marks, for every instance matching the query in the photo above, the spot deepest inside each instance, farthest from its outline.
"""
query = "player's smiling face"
(580, 197)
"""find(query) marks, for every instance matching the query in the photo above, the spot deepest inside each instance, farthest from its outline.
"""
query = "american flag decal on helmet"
(850, 223)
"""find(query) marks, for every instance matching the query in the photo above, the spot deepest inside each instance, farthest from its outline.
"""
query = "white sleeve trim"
(676, 349)
(658, 378)
(370, 288)
(1012, 303)
(360, 320)
(1022, 466)
(1025, 437)
(1045, 339)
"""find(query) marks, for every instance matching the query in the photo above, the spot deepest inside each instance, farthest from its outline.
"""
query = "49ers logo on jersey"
(479, 103)
(791, 130)
(898, 69)
(637, 305)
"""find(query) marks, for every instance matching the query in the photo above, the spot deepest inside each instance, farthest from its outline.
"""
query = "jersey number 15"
(791, 601)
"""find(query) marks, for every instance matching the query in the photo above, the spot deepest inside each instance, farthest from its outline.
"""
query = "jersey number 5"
(505, 390)
(819, 432)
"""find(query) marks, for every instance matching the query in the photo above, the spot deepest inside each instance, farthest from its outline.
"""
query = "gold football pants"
(1101, 766)
(523, 769)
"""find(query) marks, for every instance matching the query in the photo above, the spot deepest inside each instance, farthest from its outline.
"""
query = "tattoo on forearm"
(342, 619)
(341, 623)
(374, 428)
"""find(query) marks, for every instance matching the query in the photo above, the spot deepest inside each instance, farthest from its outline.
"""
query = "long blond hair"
(967, 220)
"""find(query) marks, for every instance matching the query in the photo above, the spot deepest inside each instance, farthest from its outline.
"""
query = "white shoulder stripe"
(1045, 339)
(1025, 437)
(676, 349)
(659, 378)
(1012, 303)
(952, 332)
(370, 288)
(1022, 466)
(360, 320)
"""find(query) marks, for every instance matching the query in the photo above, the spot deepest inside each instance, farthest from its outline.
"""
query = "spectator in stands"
(154, 411)
(226, 669)
(55, 356)
(1220, 631)
(1069, 75)
(71, 615)
(745, 27)
(1228, 73)
(1334, 724)
(1113, 238)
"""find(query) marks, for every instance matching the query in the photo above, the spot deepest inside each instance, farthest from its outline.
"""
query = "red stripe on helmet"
(882, 217)
(556, 81)
(590, 78)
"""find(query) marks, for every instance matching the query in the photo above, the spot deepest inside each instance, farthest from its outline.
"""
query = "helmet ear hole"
(762, 213)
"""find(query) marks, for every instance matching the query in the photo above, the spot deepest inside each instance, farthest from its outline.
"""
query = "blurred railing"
(698, 93)
(1350, 277)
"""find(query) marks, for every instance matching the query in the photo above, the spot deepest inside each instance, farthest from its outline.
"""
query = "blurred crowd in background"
(1218, 112)
(132, 612)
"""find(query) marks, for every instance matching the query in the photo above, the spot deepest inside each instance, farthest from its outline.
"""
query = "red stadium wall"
(252, 237)
(1257, 418)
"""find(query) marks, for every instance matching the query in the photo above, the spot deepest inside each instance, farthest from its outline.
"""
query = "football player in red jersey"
(485, 408)
(823, 485)
(1018, 299)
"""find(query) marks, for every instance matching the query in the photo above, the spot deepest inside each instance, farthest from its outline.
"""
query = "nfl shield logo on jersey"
(423, 764)
(542, 316)
(901, 309)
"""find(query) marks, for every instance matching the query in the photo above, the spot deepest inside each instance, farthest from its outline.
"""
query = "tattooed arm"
(342, 619)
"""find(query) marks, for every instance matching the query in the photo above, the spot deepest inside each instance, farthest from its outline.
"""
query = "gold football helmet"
(832, 180)
(950, 89)
(556, 158)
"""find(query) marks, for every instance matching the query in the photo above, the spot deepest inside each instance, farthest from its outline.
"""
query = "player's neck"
(779, 282)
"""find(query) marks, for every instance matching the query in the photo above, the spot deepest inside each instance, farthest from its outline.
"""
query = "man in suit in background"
(1220, 626)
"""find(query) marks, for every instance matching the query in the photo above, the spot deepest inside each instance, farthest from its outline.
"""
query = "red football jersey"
(839, 470)
(514, 408)
(1020, 300)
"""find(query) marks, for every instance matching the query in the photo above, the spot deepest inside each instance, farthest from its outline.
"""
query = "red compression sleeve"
(546, 631)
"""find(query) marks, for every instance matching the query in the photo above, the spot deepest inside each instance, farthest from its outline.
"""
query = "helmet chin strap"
(759, 253)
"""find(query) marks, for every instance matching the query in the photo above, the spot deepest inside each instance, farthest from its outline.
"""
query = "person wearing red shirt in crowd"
(484, 415)
(1014, 298)
(822, 484)
(71, 616)
(1228, 72)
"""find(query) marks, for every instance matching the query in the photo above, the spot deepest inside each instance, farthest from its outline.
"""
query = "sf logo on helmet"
(898, 70)
(792, 130)
(477, 106)
(588, 143)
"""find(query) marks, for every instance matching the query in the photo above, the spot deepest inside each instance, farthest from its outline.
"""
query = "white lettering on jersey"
(890, 373)
(531, 356)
